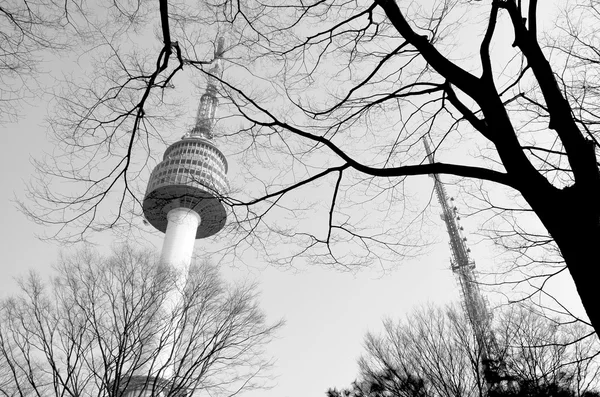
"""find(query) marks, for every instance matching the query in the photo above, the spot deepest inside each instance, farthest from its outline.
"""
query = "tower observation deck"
(183, 195)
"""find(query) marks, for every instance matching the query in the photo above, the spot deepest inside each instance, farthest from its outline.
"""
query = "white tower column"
(180, 236)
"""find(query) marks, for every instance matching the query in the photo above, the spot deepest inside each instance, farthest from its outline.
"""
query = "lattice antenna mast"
(464, 269)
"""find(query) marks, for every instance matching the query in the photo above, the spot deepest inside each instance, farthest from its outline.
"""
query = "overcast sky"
(327, 311)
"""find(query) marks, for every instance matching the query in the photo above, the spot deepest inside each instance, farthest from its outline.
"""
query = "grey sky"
(327, 311)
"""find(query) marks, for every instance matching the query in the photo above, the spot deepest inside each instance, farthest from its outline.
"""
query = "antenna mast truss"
(472, 300)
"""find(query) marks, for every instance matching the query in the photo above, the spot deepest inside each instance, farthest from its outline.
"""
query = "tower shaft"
(463, 267)
(180, 236)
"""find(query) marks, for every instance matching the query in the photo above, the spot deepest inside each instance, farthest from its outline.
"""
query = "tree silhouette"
(340, 95)
(104, 326)
(433, 353)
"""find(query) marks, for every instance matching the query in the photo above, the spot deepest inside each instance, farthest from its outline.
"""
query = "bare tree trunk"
(578, 238)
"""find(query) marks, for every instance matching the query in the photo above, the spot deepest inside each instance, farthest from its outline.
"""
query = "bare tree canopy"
(30, 32)
(326, 104)
(432, 353)
(105, 324)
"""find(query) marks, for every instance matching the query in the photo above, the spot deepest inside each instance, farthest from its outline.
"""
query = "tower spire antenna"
(207, 109)
(474, 305)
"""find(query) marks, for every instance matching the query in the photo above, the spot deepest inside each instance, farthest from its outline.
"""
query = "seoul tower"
(183, 195)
